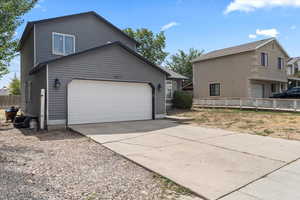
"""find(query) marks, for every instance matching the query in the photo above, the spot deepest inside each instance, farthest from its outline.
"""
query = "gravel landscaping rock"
(65, 165)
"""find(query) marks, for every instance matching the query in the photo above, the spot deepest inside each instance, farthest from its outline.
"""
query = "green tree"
(14, 86)
(151, 45)
(181, 62)
(11, 12)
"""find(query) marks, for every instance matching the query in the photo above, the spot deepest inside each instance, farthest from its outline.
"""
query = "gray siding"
(88, 30)
(26, 59)
(112, 62)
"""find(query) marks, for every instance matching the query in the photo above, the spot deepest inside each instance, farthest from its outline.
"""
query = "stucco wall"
(230, 71)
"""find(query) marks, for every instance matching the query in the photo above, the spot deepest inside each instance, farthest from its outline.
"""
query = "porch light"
(57, 83)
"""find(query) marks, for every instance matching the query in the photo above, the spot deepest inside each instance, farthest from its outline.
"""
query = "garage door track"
(214, 163)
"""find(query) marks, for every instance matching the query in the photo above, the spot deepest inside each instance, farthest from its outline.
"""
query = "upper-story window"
(280, 63)
(264, 59)
(63, 44)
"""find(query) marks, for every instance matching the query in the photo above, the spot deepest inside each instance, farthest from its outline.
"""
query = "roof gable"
(41, 65)
(278, 44)
(30, 25)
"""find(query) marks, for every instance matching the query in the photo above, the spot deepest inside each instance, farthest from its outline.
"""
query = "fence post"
(241, 103)
(226, 102)
(256, 104)
(295, 105)
(274, 104)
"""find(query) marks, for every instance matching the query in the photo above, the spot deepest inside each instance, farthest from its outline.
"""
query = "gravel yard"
(65, 165)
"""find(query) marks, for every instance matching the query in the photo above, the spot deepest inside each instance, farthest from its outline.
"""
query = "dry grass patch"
(2, 114)
(274, 124)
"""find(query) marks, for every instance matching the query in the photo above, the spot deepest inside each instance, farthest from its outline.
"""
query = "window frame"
(64, 43)
(264, 57)
(280, 63)
(215, 94)
(273, 88)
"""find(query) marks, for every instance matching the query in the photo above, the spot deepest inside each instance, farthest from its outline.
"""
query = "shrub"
(182, 100)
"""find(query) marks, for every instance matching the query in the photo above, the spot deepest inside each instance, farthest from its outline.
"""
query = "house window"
(169, 89)
(214, 89)
(280, 63)
(273, 87)
(264, 59)
(63, 44)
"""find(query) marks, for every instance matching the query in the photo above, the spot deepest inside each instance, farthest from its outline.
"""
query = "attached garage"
(109, 83)
(92, 101)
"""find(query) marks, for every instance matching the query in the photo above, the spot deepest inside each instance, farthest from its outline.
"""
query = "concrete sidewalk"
(211, 162)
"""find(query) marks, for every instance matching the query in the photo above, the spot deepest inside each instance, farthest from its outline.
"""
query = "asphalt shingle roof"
(293, 60)
(232, 50)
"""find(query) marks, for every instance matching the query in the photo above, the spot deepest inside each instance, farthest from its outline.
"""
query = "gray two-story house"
(252, 70)
(81, 68)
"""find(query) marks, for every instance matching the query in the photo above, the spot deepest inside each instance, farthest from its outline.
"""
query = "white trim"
(57, 122)
(273, 39)
(42, 111)
(47, 95)
(160, 116)
(64, 48)
(34, 45)
(263, 44)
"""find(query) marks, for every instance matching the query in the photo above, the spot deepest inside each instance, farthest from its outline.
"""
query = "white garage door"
(108, 101)
(257, 90)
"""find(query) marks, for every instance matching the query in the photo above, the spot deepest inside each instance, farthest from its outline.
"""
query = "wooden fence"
(11, 100)
(250, 103)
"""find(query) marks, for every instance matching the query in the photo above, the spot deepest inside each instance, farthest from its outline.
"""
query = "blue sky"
(207, 25)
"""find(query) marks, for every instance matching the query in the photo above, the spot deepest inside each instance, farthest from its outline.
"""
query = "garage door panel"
(107, 101)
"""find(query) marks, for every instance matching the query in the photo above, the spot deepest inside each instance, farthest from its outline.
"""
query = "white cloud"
(251, 5)
(37, 5)
(169, 25)
(252, 36)
(293, 27)
(40, 6)
(267, 32)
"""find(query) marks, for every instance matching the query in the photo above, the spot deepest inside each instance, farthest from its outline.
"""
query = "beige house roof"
(235, 50)
(293, 60)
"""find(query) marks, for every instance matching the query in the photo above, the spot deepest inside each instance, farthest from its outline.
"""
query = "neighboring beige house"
(293, 72)
(253, 70)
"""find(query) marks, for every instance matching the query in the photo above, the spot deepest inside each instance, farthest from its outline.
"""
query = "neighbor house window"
(273, 87)
(214, 89)
(63, 44)
(264, 59)
(169, 89)
(280, 63)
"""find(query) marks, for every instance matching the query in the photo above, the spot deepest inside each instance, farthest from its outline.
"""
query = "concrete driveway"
(214, 163)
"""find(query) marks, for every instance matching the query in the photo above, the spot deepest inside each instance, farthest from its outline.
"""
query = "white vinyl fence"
(8, 101)
(250, 103)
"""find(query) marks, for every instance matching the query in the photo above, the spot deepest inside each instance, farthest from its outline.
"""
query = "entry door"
(108, 101)
(257, 90)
